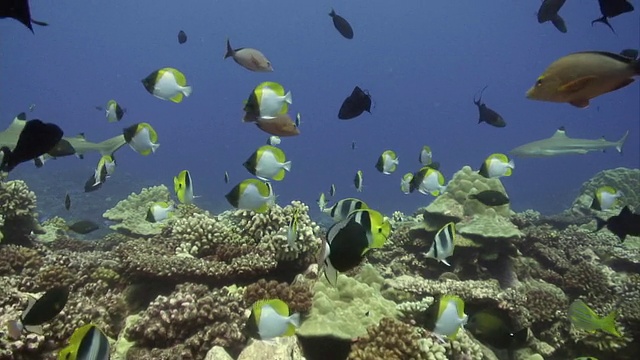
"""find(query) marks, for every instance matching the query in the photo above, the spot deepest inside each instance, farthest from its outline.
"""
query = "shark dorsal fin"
(560, 133)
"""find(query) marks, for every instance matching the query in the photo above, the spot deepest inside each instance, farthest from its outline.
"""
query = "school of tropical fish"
(357, 229)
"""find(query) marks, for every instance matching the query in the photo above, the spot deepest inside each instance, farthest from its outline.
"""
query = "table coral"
(131, 212)
(345, 311)
(623, 179)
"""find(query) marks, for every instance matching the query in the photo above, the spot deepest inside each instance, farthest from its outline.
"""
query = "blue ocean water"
(422, 62)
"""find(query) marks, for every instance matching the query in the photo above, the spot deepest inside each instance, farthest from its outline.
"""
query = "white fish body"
(251, 199)
(449, 322)
(405, 183)
(443, 244)
(322, 202)
(272, 325)
(167, 87)
(389, 164)
(111, 112)
(607, 199)
(161, 213)
(498, 168)
(431, 185)
(141, 141)
(268, 166)
(271, 103)
(292, 232)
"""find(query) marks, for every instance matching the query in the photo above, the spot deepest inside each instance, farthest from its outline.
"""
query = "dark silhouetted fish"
(355, 104)
(623, 224)
(549, 12)
(92, 184)
(19, 10)
(67, 202)
(36, 139)
(494, 327)
(342, 25)
(182, 37)
(39, 312)
(612, 8)
(62, 148)
(491, 197)
(488, 115)
(84, 227)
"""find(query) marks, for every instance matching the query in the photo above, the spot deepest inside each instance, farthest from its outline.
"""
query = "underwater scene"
(319, 180)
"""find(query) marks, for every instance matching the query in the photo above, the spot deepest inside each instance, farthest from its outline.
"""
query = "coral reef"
(623, 179)
(184, 287)
(17, 213)
(131, 212)
(345, 311)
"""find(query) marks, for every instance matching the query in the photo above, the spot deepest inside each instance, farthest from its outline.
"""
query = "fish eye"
(539, 82)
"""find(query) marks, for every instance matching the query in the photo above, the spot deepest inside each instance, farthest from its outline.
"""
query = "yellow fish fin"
(278, 305)
(177, 98)
(608, 324)
(274, 86)
(280, 175)
(180, 79)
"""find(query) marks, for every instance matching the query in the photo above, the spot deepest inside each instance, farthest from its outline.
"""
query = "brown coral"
(194, 316)
(298, 296)
(389, 340)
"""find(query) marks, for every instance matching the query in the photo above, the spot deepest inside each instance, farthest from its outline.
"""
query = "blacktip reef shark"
(560, 144)
(80, 146)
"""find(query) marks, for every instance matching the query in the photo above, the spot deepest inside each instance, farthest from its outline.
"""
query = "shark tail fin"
(109, 146)
(620, 142)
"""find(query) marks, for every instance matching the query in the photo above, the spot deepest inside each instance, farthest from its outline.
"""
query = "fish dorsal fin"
(560, 133)
(32, 301)
(278, 305)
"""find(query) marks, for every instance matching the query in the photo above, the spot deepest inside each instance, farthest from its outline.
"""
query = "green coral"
(623, 179)
(107, 275)
(345, 311)
(473, 219)
(131, 212)
(53, 228)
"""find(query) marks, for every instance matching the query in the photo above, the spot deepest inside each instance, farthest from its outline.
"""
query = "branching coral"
(394, 340)
(194, 316)
(298, 296)
(17, 216)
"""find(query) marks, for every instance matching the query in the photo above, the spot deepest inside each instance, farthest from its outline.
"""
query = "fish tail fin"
(600, 224)
(154, 147)
(287, 98)
(230, 51)
(287, 166)
(295, 320)
(332, 13)
(110, 146)
(620, 142)
(609, 324)
(186, 90)
(36, 329)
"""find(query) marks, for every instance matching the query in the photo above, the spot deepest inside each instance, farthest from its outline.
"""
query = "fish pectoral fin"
(577, 85)
(580, 103)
